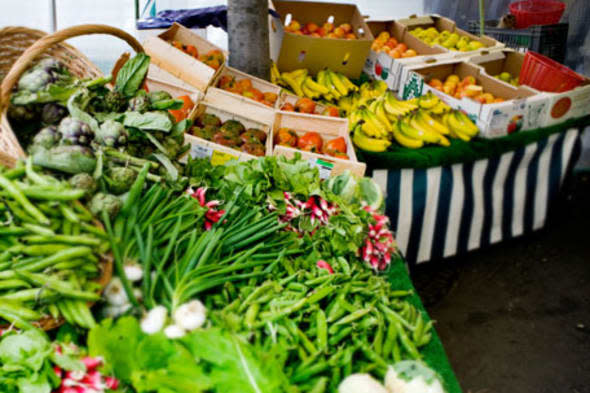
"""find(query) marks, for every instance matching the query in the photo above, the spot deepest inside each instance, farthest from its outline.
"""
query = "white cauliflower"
(410, 376)
(360, 383)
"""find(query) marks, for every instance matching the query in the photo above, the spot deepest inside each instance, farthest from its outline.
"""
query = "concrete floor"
(516, 317)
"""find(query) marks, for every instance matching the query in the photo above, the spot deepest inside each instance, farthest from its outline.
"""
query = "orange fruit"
(340, 33)
(402, 47)
(245, 84)
(270, 97)
(350, 36)
(409, 53)
(395, 53)
(311, 27)
(328, 27)
(436, 83)
(346, 27)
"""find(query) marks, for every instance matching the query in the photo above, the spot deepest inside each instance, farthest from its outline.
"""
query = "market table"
(447, 201)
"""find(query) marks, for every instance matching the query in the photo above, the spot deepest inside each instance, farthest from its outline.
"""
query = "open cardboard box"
(521, 110)
(219, 154)
(380, 65)
(257, 83)
(504, 60)
(180, 64)
(328, 128)
(441, 23)
(315, 53)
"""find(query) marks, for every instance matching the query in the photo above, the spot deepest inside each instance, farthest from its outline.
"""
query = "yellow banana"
(434, 124)
(444, 141)
(308, 92)
(311, 84)
(297, 73)
(427, 135)
(349, 85)
(391, 106)
(369, 144)
(354, 118)
(371, 125)
(455, 132)
(275, 75)
(440, 108)
(381, 115)
(337, 83)
(428, 101)
(405, 141)
(467, 123)
(293, 84)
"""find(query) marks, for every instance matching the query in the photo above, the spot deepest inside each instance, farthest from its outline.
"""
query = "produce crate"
(292, 99)
(180, 64)
(316, 53)
(328, 128)
(257, 83)
(219, 154)
(240, 105)
(381, 66)
(548, 40)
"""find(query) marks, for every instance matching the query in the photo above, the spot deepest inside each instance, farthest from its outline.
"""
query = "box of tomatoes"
(323, 141)
(221, 135)
(393, 48)
(186, 56)
(292, 103)
(256, 90)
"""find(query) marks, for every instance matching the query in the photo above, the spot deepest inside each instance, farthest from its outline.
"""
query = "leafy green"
(131, 75)
(54, 93)
(167, 104)
(159, 121)
(29, 349)
(76, 104)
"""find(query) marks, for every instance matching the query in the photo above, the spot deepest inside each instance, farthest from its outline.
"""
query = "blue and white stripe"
(444, 211)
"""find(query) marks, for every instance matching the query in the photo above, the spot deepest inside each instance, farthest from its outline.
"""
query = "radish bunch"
(379, 244)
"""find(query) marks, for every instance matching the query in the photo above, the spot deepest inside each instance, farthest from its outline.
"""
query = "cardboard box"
(314, 53)
(257, 83)
(441, 23)
(219, 154)
(328, 128)
(380, 65)
(523, 109)
(178, 63)
(559, 106)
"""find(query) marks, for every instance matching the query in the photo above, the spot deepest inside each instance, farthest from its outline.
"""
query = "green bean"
(70, 264)
(135, 189)
(34, 176)
(342, 334)
(53, 310)
(251, 314)
(15, 320)
(390, 339)
(394, 317)
(64, 310)
(42, 249)
(96, 231)
(322, 329)
(20, 311)
(15, 173)
(38, 229)
(63, 255)
(350, 318)
(256, 293)
(29, 295)
(13, 231)
(83, 240)
(13, 284)
(297, 287)
(320, 385)
(378, 339)
(58, 286)
(68, 213)
(371, 355)
(307, 344)
(407, 344)
(418, 329)
(316, 368)
(319, 294)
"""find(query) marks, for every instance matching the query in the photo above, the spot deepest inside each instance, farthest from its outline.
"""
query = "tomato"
(192, 50)
(245, 84)
(270, 97)
(331, 111)
(225, 82)
(287, 106)
(305, 105)
(254, 148)
(286, 137)
(182, 113)
(335, 145)
(178, 45)
(310, 141)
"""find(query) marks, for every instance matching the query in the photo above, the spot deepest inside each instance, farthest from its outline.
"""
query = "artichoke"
(159, 96)
(49, 65)
(120, 179)
(23, 114)
(111, 133)
(34, 80)
(74, 132)
(84, 181)
(140, 103)
(53, 113)
(115, 102)
(105, 202)
(48, 137)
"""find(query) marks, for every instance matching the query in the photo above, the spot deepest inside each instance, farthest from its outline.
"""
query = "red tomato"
(182, 113)
(335, 145)
(311, 141)
(286, 137)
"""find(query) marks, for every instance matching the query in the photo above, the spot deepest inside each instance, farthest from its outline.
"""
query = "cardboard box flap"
(415, 20)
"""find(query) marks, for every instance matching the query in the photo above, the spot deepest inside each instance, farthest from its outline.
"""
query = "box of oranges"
(254, 89)
(394, 48)
(498, 108)
(317, 35)
(186, 55)
(323, 141)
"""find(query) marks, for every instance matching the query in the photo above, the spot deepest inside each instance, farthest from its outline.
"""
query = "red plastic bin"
(545, 74)
(536, 12)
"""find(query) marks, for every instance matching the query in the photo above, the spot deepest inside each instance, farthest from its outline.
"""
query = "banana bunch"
(460, 126)
(275, 75)
(329, 85)
(419, 128)
(337, 85)
(360, 139)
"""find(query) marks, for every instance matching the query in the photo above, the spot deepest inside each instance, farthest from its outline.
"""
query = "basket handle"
(41, 45)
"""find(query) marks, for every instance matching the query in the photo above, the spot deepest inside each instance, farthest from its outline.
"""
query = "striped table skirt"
(440, 212)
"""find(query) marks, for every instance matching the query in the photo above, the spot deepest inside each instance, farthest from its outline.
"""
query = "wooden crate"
(292, 99)
(328, 128)
(240, 105)
(180, 64)
(219, 154)
(257, 83)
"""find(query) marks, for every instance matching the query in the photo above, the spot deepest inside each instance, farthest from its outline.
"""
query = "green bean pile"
(49, 250)
(330, 325)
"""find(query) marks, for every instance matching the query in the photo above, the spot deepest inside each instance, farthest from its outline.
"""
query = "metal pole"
(247, 27)
(52, 16)
(481, 18)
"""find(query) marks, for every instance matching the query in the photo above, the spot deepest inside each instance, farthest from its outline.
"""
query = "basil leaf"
(131, 75)
(159, 121)
(167, 104)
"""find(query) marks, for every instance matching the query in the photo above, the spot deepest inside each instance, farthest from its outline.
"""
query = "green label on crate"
(413, 87)
(324, 167)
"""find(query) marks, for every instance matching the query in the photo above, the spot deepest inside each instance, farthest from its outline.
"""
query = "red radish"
(92, 363)
(325, 265)
(111, 383)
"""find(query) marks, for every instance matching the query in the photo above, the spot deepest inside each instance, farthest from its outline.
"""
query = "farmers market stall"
(253, 276)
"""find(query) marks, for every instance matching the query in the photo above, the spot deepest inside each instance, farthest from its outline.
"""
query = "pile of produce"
(309, 106)
(213, 58)
(329, 85)
(466, 87)
(508, 78)
(311, 141)
(390, 45)
(445, 38)
(230, 133)
(51, 250)
(327, 30)
(244, 87)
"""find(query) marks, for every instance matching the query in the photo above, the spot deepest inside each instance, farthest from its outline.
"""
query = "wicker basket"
(21, 46)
